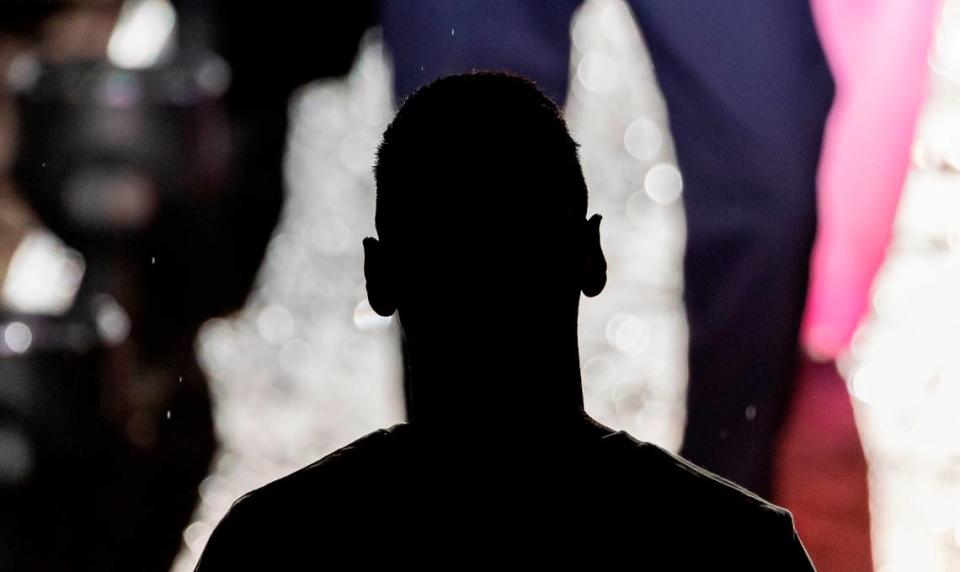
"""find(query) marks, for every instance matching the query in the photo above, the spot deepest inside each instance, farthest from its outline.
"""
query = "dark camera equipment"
(167, 179)
(132, 169)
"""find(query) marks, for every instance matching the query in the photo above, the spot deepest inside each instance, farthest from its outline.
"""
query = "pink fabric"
(877, 50)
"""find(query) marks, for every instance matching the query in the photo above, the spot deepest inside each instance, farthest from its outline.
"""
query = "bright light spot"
(18, 337)
(953, 240)
(939, 145)
(643, 139)
(628, 334)
(43, 276)
(637, 207)
(275, 324)
(599, 373)
(598, 72)
(939, 515)
(863, 385)
(142, 34)
(213, 76)
(880, 382)
(918, 154)
(296, 356)
(616, 23)
(113, 323)
(210, 485)
(581, 34)
(750, 412)
(945, 55)
(663, 183)
(358, 149)
(366, 320)
(23, 72)
(331, 236)
(196, 536)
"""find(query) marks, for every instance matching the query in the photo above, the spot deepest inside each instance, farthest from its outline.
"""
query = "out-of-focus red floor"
(821, 473)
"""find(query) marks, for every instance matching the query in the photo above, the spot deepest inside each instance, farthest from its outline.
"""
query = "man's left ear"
(593, 272)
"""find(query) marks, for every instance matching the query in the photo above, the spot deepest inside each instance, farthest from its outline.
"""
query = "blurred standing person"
(747, 90)
(877, 51)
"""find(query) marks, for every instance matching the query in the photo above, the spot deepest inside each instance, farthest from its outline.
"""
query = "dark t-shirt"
(590, 495)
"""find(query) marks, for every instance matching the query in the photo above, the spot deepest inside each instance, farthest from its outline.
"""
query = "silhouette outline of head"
(484, 248)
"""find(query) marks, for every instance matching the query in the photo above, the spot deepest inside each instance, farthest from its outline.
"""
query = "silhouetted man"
(484, 250)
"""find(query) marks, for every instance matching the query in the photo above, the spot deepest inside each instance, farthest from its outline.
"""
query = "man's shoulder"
(369, 449)
(690, 506)
(273, 519)
(347, 464)
(319, 482)
(670, 475)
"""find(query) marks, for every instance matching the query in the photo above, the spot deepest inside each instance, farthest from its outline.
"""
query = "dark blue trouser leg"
(747, 90)
(432, 38)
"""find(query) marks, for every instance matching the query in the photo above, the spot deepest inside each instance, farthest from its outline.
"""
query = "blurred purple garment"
(433, 38)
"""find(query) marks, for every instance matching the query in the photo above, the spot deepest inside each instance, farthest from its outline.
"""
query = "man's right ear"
(381, 291)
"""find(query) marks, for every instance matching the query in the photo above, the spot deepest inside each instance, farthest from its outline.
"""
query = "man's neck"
(516, 381)
(500, 434)
(511, 397)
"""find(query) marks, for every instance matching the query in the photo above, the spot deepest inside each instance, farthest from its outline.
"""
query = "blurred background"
(183, 317)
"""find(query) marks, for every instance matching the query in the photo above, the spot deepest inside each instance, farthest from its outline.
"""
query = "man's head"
(481, 204)
(484, 243)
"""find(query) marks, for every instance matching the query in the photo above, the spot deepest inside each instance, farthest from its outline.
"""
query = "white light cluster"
(904, 367)
(43, 276)
(307, 366)
(143, 34)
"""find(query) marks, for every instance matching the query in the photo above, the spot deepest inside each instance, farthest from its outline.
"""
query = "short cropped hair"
(465, 146)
